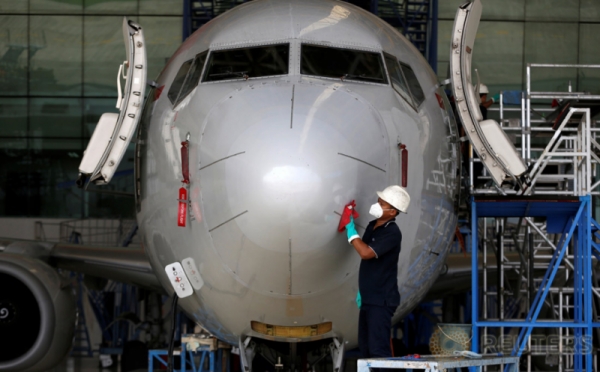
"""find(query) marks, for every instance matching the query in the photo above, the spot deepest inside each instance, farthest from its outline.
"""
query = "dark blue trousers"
(374, 331)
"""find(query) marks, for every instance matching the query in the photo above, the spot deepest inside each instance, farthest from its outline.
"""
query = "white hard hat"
(396, 196)
(483, 89)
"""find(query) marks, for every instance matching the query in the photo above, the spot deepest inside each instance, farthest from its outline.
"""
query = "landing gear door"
(495, 149)
(114, 131)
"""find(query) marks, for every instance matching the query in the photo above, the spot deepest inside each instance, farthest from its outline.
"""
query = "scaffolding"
(573, 136)
(98, 232)
(541, 297)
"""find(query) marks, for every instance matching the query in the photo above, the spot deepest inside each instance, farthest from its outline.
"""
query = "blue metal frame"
(187, 359)
(81, 330)
(579, 228)
(433, 35)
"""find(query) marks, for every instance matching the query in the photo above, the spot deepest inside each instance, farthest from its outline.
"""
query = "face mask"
(376, 210)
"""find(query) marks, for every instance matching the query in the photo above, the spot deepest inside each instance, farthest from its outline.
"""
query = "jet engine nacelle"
(37, 314)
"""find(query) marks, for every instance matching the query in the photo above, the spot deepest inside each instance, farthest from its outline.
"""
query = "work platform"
(434, 363)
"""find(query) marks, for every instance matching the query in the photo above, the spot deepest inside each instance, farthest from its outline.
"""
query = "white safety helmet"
(396, 196)
(483, 89)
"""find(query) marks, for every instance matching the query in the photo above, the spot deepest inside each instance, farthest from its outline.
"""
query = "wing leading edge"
(127, 265)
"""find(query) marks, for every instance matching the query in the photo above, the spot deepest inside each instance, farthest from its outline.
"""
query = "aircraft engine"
(37, 314)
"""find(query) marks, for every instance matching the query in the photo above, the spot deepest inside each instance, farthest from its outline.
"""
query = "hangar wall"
(59, 60)
(58, 71)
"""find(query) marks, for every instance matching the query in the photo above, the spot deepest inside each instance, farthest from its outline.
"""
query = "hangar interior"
(58, 74)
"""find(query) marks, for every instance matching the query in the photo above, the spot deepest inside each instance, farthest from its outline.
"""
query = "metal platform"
(433, 363)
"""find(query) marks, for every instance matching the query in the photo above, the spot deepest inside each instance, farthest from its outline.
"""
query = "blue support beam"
(578, 227)
(432, 55)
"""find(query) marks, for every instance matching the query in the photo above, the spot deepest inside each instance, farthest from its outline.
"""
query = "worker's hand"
(358, 300)
(351, 230)
(496, 98)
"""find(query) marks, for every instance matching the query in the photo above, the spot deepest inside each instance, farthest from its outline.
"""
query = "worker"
(486, 103)
(379, 249)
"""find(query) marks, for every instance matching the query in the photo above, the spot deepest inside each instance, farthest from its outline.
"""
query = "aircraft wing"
(122, 264)
(456, 277)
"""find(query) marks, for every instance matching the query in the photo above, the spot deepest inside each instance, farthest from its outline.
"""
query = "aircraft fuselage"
(274, 159)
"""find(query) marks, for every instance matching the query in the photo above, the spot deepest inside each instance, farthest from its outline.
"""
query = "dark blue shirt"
(378, 277)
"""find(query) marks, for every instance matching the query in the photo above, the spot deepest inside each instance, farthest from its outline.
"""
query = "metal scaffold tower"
(535, 256)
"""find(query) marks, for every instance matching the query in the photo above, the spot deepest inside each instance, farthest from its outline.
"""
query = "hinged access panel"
(114, 131)
(494, 148)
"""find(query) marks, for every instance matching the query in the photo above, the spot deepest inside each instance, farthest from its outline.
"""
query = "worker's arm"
(491, 101)
(364, 251)
(487, 103)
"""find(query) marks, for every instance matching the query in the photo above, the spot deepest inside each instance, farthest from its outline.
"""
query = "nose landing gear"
(313, 355)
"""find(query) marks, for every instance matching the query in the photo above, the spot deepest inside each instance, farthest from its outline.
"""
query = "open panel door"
(114, 131)
(495, 149)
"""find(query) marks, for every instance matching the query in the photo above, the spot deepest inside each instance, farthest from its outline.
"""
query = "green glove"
(358, 300)
(351, 230)
(496, 98)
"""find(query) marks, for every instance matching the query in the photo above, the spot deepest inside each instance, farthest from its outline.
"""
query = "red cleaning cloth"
(349, 210)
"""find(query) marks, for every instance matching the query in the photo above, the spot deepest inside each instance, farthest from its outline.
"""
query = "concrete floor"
(86, 364)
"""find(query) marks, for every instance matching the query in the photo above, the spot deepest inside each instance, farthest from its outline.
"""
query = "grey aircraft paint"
(273, 160)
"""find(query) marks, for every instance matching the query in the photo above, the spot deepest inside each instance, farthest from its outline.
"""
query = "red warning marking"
(182, 210)
(185, 164)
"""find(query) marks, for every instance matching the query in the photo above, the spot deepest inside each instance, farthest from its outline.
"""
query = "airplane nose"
(277, 163)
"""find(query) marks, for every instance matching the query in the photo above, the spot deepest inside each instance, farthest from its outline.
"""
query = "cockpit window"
(187, 78)
(413, 84)
(397, 78)
(345, 64)
(245, 63)
(179, 80)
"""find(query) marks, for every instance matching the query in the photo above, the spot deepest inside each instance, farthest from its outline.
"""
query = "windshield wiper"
(350, 76)
(242, 74)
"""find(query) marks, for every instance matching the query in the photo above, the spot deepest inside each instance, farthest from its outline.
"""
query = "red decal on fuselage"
(182, 210)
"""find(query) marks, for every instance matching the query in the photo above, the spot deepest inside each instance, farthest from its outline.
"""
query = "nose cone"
(274, 172)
